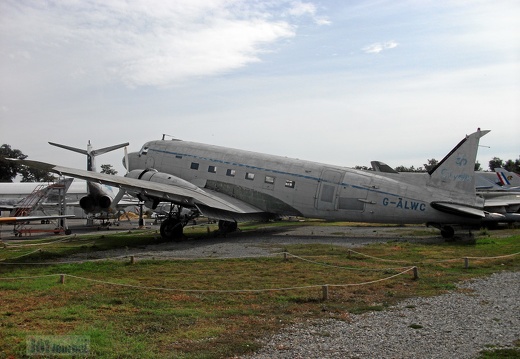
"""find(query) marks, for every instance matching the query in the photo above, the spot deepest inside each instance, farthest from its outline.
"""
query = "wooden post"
(415, 273)
(285, 256)
(466, 262)
(325, 292)
(62, 278)
(349, 253)
(132, 260)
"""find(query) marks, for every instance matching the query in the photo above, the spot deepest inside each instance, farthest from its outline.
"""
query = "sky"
(338, 82)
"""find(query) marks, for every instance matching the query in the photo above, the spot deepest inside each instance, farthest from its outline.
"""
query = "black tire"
(447, 232)
(227, 226)
(171, 229)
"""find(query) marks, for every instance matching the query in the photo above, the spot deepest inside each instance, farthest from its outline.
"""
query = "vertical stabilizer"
(507, 178)
(456, 171)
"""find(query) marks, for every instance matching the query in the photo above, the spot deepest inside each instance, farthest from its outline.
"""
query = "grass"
(163, 309)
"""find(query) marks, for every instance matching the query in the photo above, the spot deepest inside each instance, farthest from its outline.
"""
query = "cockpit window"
(144, 150)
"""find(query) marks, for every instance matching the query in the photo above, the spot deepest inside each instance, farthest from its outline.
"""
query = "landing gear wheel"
(447, 232)
(171, 228)
(227, 226)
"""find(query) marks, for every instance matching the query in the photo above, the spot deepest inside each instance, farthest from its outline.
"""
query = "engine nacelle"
(153, 175)
(94, 204)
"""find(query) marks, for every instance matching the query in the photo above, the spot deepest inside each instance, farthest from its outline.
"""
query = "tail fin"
(507, 178)
(90, 152)
(456, 171)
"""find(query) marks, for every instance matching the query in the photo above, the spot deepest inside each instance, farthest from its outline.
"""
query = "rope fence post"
(132, 260)
(62, 279)
(415, 273)
(325, 292)
(466, 262)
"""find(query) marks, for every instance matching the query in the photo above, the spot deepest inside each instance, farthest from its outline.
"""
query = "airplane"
(99, 199)
(233, 185)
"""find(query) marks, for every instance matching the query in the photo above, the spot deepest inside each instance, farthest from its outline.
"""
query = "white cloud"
(377, 47)
(301, 9)
(152, 43)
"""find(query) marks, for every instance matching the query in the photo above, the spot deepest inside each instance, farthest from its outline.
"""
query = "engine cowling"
(153, 175)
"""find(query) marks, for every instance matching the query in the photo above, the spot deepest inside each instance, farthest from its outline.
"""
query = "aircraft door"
(328, 190)
(354, 192)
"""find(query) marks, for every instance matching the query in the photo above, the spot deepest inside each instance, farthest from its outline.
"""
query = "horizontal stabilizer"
(73, 149)
(458, 209)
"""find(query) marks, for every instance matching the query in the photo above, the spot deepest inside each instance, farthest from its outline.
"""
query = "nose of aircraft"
(129, 160)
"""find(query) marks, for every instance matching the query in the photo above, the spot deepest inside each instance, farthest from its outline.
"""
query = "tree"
(107, 169)
(512, 166)
(431, 164)
(495, 163)
(8, 169)
(34, 175)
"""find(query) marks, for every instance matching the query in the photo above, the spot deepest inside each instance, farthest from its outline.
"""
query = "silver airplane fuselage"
(292, 187)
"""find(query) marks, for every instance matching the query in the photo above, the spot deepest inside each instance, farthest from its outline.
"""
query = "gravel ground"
(455, 325)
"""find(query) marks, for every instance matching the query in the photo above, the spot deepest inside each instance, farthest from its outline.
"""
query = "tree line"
(496, 162)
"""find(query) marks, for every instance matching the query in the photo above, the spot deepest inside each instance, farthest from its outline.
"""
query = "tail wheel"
(447, 232)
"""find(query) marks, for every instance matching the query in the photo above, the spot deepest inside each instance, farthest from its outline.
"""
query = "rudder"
(456, 171)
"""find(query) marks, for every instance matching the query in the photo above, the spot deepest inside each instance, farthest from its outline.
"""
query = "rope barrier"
(438, 261)
(253, 257)
(373, 281)
(36, 244)
(208, 290)
(342, 267)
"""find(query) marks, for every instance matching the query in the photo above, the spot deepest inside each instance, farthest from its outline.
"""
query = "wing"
(4, 220)
(177, 191)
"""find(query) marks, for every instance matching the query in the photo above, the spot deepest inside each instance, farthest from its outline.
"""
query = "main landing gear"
(172, 227)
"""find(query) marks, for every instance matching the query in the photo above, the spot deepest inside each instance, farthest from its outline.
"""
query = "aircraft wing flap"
(185, 196)
(459, 209)
(246, 213)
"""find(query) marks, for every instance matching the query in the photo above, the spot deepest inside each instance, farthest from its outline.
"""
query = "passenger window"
(194, 166)
(212, 169)
(230, 173)
(269, 179)
(289, 184)
(250, 176)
